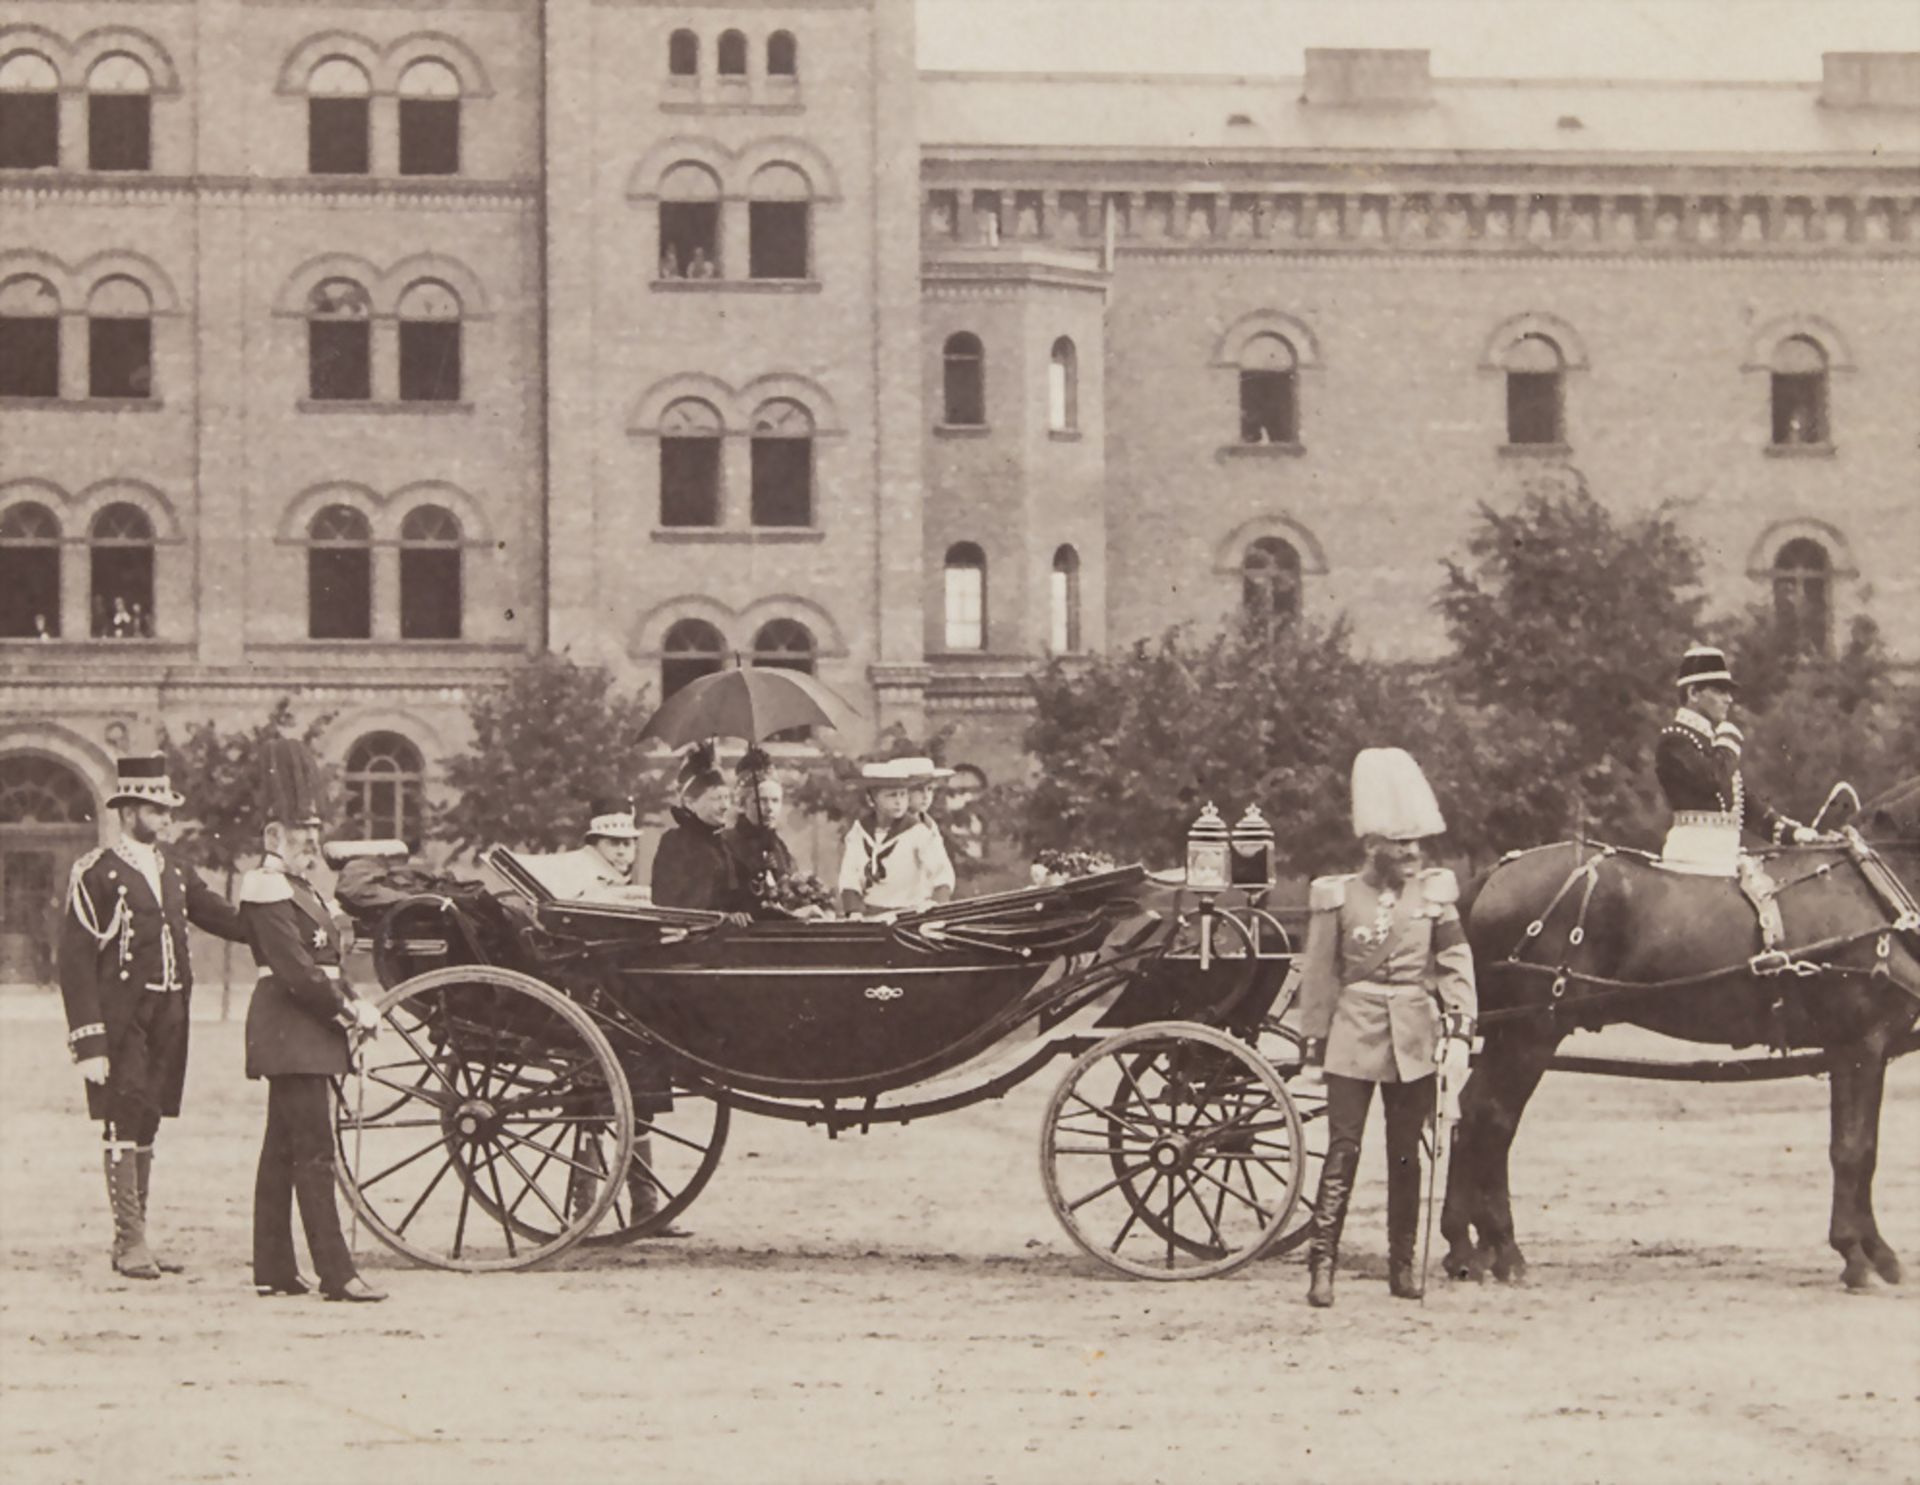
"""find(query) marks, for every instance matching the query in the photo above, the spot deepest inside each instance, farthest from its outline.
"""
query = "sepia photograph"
(959, 742)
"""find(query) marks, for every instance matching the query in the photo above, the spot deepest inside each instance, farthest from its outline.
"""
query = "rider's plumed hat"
(292, 789)
(1703, 665)
(1391, 797)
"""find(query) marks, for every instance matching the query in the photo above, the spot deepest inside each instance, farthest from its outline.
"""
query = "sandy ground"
(903, 1307)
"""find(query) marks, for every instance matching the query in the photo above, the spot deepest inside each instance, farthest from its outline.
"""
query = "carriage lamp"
(1209, 871)
(1251, 863)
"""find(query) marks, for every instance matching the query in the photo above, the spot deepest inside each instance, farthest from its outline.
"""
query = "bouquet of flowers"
(801, 890)
(1051, 867)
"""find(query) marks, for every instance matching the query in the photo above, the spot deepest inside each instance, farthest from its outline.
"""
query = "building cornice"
(142, 190)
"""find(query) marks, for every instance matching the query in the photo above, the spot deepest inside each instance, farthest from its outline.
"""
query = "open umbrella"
(751, 702)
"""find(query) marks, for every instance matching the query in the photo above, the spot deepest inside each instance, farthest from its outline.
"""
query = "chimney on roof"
(1870, 79)
(1368, 77)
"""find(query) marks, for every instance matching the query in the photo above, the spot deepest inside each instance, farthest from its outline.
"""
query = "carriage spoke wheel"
(465, 1149)
(1172, 1151)
(675, 1151)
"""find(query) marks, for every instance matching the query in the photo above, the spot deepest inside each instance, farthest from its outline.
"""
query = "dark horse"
(1692, 940)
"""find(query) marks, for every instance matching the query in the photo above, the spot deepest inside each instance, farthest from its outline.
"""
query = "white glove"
(1456, 1055)
(94, 1069)
(1804, 835)
(367, 1019)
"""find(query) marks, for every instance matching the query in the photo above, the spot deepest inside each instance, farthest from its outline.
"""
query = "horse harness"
(1773, 960)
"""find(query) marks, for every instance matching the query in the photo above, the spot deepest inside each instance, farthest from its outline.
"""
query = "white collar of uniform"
(141, 854)
(1690, 719)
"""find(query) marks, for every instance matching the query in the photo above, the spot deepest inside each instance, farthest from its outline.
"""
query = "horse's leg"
(1859, 1079)
(1461, 1210)
(1515, 1074)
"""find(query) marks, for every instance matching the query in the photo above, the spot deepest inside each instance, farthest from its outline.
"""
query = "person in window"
(701, 266)
(692, 867)
(1697, 761)
(600, 868)
(299, 1024)
(669, 262)
(142, 622)
(41, 630)
(893, 861)
(121, 623)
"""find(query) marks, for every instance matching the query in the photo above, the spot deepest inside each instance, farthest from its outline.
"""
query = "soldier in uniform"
(1387, 977)
(127, 980)
(297, 1036)
(1697, 760)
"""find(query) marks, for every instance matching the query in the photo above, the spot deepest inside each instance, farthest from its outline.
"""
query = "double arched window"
(119, 114)
(429, 119)
(1270, 581)
(339, 118)
(963, 381)
(385, 782)
(29, 112)
(339, 575)
(693, 648)
(965, 597)
(29, 338)
(120, 567)
(1798, 381)
(29, 572)
(1536, 391)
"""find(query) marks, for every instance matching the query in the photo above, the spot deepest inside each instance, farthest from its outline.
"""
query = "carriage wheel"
(1282, 1046)
(674, 1156)
(461, 1154)
(1172, 1151)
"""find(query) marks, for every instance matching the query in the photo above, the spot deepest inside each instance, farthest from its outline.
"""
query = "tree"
(832, 787)
(1566, 626)
(547, 741)
(220, 824)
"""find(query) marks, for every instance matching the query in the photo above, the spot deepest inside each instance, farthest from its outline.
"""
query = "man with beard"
(126, 978)
(1386, 994)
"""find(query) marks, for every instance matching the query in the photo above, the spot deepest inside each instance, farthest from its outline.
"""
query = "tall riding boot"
(143, 1164)
(1403, 1224)
(130, 1255)
(1329, 1216)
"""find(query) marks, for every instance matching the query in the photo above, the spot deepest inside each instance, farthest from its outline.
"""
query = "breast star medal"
(319, 938)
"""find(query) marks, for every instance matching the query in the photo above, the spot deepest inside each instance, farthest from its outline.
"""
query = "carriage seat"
(558, 877)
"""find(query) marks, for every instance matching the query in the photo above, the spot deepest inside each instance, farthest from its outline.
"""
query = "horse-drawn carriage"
(561, 1072)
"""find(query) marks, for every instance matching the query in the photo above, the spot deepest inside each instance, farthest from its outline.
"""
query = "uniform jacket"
(692, 868)
(897, 873)
(293, 1024)
(1378, 968)
(1699, 771)
(118, 942)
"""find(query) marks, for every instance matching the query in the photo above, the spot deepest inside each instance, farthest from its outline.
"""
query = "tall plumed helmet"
(1392, 798)
(292, 788)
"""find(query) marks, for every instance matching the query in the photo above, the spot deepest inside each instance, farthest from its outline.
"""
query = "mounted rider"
(1697, 760)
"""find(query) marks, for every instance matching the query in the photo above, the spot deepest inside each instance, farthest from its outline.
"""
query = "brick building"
(355, 352)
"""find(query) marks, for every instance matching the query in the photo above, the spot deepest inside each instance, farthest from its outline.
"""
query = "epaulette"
(262, 886)
(1328, 894)
(1438, 884)
(84, 865)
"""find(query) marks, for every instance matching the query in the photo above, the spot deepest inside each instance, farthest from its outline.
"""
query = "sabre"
(1446, 1116)
(359, 1121)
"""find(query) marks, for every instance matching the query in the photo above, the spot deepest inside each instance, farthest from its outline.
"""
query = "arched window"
(119, 339)
(693, 648)
(782, 465)
(690, 464)
(1063, 603)
(1063, 388)
(966, 597)
(963, 366)
(430, 586)
(29, 573)
(777, 230)
(339, 342)
(689, 222)
(119, 114)
(429, 119)
(785, 644)
(29, 338)
(732, 54)
(386, 789)
(1536, 391)
(429, 343)
(339, 575)
(29, 112)
(1799, 380)
(338, 118)
(783, 55)
(120, 566)
(1270, 581)
(683, 54)
(39, 791)
(1802, 595)
(1269, 401)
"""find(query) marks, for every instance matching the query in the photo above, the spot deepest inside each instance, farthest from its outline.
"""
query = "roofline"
(1250, 79)
(1878, 161)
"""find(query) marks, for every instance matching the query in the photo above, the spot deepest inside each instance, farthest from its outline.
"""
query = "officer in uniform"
(1697, 760)
(126, 979)
(1386, 978)
(297, 1035)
